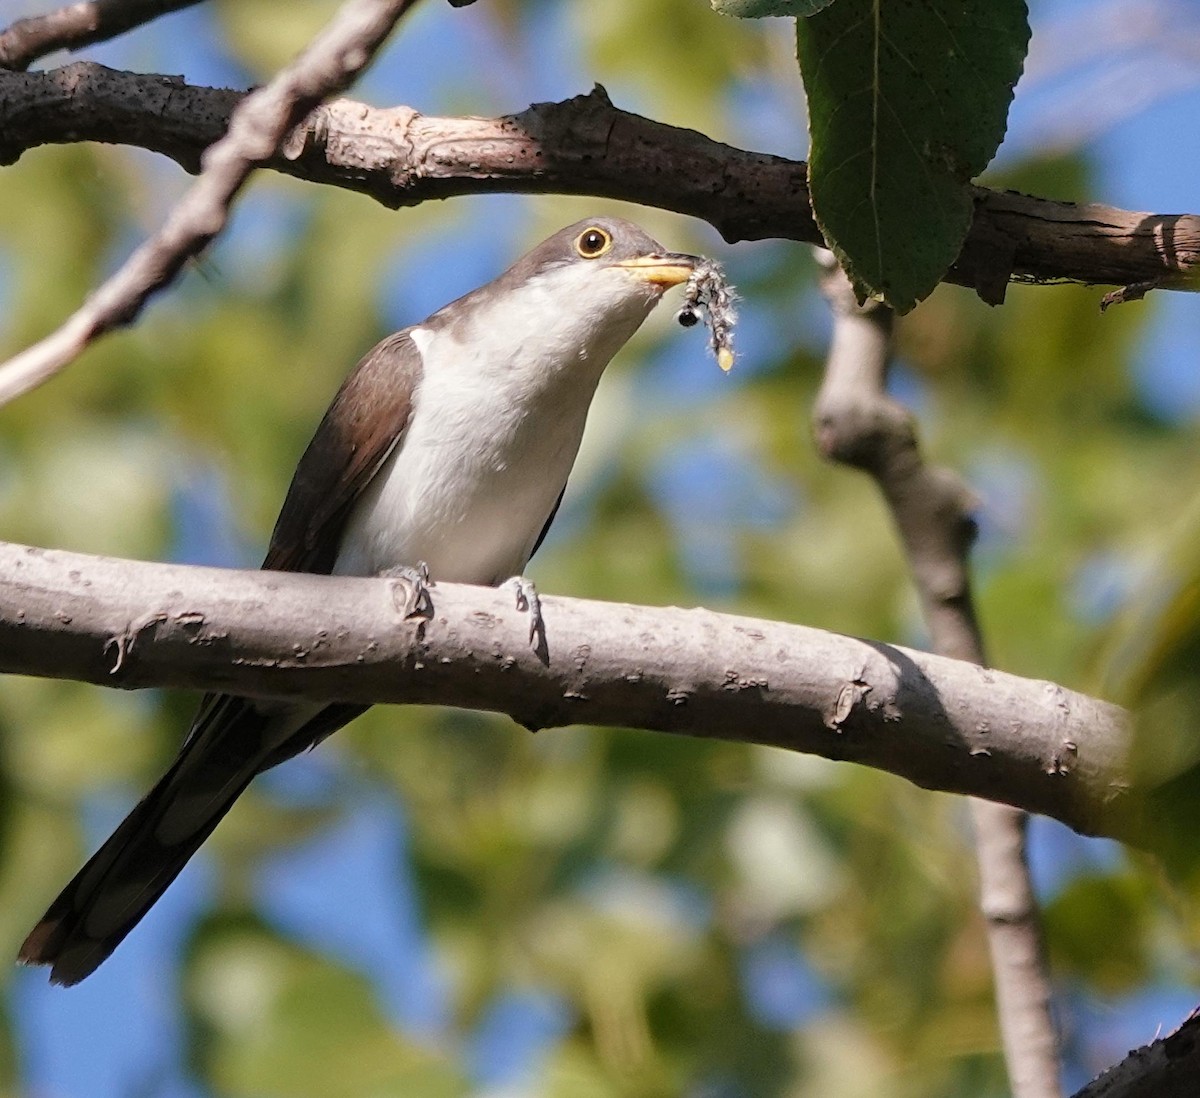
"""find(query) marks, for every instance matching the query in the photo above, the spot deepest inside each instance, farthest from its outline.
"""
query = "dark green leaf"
(756, 9)
(907, 103)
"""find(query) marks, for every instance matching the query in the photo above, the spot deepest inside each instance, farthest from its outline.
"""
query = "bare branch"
(582, 146)
(76, 26)
(858, 424)
(1018, 950)
(1124, 294)
(941, 723)
(257, 127)
(1167, 1068)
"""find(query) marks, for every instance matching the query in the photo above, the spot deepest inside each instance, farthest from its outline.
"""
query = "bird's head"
(577, 296)
(605, 263)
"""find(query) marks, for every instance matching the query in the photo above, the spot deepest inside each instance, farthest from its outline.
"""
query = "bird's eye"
(593, 242)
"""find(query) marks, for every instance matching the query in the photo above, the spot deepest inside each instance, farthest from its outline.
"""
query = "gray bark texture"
(584, 145)
(941, 723)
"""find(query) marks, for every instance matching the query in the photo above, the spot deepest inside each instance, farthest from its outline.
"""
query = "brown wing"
(366, 420)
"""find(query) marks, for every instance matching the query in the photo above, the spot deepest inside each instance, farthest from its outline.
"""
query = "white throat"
(497, 420)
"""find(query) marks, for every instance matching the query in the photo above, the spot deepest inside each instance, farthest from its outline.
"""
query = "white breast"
(467, 492)
(496, 424)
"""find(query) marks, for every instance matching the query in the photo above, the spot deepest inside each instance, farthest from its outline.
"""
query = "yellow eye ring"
(593, 242)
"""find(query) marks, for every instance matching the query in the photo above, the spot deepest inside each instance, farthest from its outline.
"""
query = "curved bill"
(661, 269)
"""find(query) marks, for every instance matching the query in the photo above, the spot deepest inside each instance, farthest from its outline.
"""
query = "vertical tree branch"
(856, 423)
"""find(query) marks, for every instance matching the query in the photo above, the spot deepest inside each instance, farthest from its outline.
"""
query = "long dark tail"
(229, 743)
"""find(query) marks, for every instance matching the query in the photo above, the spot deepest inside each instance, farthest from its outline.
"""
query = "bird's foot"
(416, 601)
(530, 602)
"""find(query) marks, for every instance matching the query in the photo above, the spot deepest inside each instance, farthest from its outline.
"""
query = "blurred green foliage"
(557, 861)
(1151, 663)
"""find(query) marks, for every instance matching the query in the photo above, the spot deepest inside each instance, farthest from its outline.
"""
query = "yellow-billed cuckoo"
(448, 446)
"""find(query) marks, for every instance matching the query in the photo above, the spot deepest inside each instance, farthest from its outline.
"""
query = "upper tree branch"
(587, 146)
(256, 128)
(940, 723)
(76, 26)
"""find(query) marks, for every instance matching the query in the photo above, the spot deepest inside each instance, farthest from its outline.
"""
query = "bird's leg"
(530, 602)
(417, 602)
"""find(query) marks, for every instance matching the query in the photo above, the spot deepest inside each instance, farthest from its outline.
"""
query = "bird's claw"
(416, 601)
(530, 602)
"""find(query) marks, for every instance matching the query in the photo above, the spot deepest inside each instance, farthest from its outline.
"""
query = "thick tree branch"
(77, 25)
(941, 723)
(586, 146)
(859, 424)
(1166, 1068)
(257, 127)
